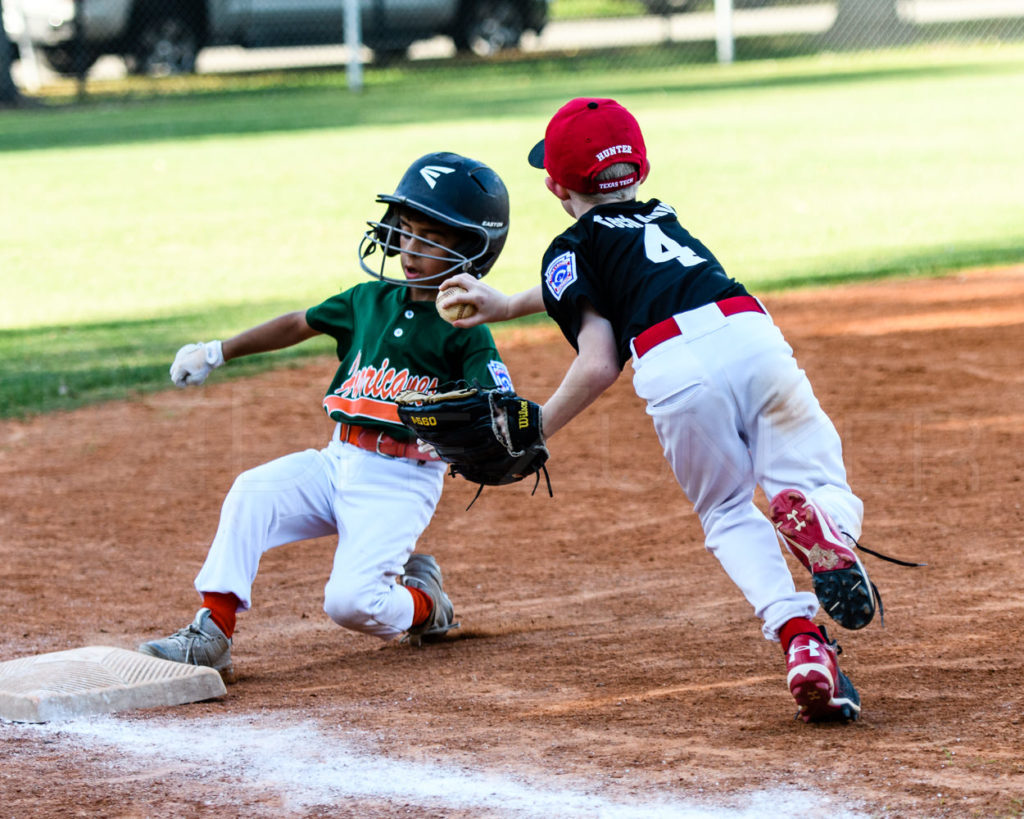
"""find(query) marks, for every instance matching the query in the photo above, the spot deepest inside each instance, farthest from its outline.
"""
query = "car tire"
(70, 60)
(669, 6)
(390, 54)
(165, 44)
(489, 26)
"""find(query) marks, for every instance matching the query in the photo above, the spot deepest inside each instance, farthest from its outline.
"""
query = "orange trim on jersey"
(363, 407)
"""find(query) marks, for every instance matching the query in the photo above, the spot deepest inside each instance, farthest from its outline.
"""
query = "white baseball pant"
(733, 410)
(377, 506)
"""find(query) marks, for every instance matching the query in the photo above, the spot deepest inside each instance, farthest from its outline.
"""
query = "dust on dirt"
(600, 643)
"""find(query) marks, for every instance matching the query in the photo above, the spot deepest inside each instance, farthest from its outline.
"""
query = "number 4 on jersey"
(660, 248)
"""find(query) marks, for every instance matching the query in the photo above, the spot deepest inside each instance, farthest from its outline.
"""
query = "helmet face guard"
(452, 190)
(387, 236)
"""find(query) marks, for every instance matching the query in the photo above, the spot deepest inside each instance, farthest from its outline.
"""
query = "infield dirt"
(600, 642)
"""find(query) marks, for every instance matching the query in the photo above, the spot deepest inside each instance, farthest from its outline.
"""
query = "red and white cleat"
(840, 580)
(822, 692)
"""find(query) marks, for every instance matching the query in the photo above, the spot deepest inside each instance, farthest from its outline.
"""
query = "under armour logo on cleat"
(798, 524)
(810, 648)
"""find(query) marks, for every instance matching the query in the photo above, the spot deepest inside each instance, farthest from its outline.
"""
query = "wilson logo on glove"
(524, 414)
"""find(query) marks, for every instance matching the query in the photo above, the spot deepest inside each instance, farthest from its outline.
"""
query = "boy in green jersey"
(371, 485)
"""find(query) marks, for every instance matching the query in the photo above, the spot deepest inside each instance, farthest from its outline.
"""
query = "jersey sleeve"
(566, 285)
(334, 317)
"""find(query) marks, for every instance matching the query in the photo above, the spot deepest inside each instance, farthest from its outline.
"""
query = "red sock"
(422, 605)
(222, 606)
(798, 625)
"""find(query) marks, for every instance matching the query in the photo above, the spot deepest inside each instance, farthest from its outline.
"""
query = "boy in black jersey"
(729, 404)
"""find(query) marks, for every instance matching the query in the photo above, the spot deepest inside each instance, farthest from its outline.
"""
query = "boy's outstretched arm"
(490, 304)
(594, 370)
(276, 334)
(194, 362)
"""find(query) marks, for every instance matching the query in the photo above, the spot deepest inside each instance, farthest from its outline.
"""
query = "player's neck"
(421, 294)
(577, 207)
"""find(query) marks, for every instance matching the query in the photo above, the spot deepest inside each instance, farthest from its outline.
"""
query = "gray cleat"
(201, 643)
(423, 573)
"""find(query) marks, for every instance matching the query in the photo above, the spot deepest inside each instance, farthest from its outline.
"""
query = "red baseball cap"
(585, 136)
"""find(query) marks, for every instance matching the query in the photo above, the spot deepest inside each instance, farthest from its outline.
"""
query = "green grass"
(194, 208)
(590, 9)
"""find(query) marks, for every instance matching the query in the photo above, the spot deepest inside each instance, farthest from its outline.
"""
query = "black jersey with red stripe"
(635, 264)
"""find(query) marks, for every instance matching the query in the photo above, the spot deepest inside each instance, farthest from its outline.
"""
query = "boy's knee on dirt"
(356, 603)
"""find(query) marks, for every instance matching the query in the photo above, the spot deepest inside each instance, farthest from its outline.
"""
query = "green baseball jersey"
(388, 343)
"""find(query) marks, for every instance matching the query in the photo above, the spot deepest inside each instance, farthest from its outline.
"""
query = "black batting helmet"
(454, 190)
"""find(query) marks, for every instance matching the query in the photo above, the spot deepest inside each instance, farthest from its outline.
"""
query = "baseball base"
(458, 311)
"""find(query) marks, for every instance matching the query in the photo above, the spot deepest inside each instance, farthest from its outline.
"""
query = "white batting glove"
(194, 361)
(427, 449)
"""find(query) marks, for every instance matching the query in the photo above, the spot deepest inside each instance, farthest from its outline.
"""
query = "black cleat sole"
(846, 596)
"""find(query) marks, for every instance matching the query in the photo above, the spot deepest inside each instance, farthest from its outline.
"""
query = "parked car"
(165, 36)
(680, 6)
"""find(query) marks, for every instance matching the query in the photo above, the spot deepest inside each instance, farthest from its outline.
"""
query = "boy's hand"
(194, 361)
(490, 304)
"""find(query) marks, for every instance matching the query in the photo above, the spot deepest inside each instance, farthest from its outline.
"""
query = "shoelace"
(874, 588)
(829, 641)
(187, 636)
(881, 556)
(536, 483)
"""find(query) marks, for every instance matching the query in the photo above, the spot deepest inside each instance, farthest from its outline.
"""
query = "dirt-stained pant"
(377, 506)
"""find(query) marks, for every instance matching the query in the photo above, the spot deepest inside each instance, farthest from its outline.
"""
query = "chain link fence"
(55, 42)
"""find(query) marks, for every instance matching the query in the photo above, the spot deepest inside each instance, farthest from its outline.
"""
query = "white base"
(98, 680)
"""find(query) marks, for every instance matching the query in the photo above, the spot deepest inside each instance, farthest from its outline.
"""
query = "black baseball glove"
(490, 437)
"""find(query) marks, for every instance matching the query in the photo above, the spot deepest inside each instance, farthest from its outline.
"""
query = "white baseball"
(457, 311)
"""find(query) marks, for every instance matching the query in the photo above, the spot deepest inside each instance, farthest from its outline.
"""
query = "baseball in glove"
(490, 437)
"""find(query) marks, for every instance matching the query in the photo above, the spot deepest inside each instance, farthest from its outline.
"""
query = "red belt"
(669, 328)
(381, 443)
